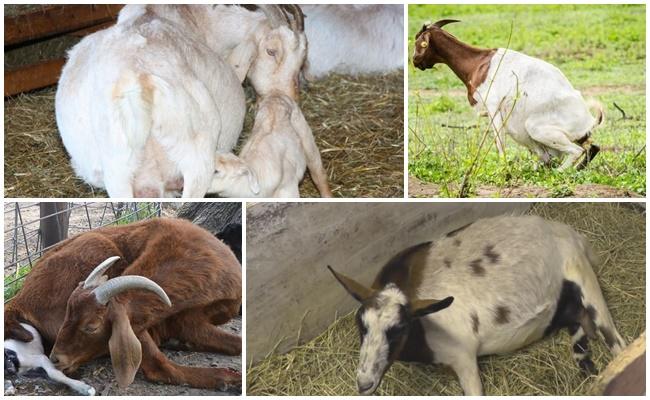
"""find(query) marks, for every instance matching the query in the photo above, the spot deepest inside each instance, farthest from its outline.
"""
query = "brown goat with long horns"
(124, 291)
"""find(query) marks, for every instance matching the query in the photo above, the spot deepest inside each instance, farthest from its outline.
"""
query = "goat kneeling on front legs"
(503, 295)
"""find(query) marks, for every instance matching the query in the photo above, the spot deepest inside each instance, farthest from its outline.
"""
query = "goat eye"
(271, 52)
(424, 44)
(91, 328)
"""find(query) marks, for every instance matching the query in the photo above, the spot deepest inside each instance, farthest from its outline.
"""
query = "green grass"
(601, 50)
(13, 283)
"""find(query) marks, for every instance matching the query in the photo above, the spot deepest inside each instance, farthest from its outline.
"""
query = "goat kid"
(503, 294)
(129, 277)
(523, 96)
(25, 358)
(143, 106)
(273, 161)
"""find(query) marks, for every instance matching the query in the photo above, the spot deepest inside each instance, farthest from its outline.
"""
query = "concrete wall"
(288, 246)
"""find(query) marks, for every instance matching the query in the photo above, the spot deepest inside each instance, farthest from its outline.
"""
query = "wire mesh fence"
(26, 226)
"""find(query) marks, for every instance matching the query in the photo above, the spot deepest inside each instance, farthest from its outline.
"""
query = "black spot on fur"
(447, 262)
(477, 268)
(360, 326)
(489, 253)
(457, 231)
(591, 311)
(569, 308)
(416, 348)
(475, 322)
(502, 315)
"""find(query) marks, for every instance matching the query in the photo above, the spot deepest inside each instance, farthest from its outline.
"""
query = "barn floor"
(327, 364)
(358, 124)
(99, 374)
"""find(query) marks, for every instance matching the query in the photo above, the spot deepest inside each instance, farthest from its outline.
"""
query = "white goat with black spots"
(24, 358)
(510, 281)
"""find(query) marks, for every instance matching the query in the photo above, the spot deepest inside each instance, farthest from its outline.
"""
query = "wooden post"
(33, 76)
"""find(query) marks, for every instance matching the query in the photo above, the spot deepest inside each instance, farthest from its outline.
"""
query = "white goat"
(143, 106)
(24, 357)
(504, 294)
(272, 162)
(526, 97)
(354, 38)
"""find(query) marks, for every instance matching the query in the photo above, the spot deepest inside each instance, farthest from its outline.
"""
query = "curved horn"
(443, 22)
(297, 24)
(94, 278)
(107, 290)
(274, 14)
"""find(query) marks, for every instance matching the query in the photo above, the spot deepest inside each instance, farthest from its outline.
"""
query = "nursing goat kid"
(126, 290)
(273, 161)
(353, 39)
(503, 294)
(523, 96)
(143, 106)
(27, 358)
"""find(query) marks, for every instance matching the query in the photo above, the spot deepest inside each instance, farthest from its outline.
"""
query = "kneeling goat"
(523, 96)
(25, 357)
(504, 294)
(273, 161)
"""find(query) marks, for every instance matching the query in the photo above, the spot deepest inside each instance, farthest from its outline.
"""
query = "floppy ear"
(13, 329)
(253, 183)
(420, 308)
(125, 349)
(241, 58)
(357, 290)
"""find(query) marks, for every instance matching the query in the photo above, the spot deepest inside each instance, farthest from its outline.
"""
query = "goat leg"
(158, 368)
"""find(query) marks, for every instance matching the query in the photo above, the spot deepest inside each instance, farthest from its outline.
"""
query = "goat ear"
(125, 348)
(420, 308)
(356, 290)
(253, 183)
(241, 58)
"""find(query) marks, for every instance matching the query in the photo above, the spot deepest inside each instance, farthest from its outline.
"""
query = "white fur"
(31, 356)
(535, 257)
(374, 346)
(273, 161)
(143, 106)
(354, 39)
(548, 116)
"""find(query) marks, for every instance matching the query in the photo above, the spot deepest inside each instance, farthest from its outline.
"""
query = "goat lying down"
(523, 96)
(510, 281)
(272, 162)
(26, 357)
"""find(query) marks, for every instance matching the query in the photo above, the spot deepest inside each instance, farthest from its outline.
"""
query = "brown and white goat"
(523, 96)
(508, 281)
(126, 290)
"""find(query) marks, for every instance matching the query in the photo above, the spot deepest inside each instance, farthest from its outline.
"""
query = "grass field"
(601, 50)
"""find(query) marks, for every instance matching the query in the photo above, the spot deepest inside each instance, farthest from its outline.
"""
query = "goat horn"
(95, 276)
(107, 290)
(274, 14)
(298, 22)
(443, 22)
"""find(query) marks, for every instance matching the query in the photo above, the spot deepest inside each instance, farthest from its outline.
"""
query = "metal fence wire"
(23, 235)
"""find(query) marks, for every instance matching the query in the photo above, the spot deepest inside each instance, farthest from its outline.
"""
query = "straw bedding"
(357, 122)
(327, 364)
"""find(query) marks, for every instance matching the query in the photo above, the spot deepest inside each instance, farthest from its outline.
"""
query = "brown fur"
(199, 273)
(469, 63)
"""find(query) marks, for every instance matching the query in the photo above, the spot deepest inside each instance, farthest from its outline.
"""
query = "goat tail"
(592, 297)
(597, 107)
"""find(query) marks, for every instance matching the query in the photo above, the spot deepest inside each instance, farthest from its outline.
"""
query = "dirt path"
(418, 188)
(99, 374)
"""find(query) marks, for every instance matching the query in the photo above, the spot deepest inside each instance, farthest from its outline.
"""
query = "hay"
(327, 364)
(358, 124)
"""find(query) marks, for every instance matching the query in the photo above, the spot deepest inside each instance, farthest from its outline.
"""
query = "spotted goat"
(503, 294)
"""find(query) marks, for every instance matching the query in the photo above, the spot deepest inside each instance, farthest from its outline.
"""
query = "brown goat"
(433, 46)
(81, 297)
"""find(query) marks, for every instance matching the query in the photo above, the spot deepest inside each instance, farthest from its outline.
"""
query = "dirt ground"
(99, 374)
(418, 188)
